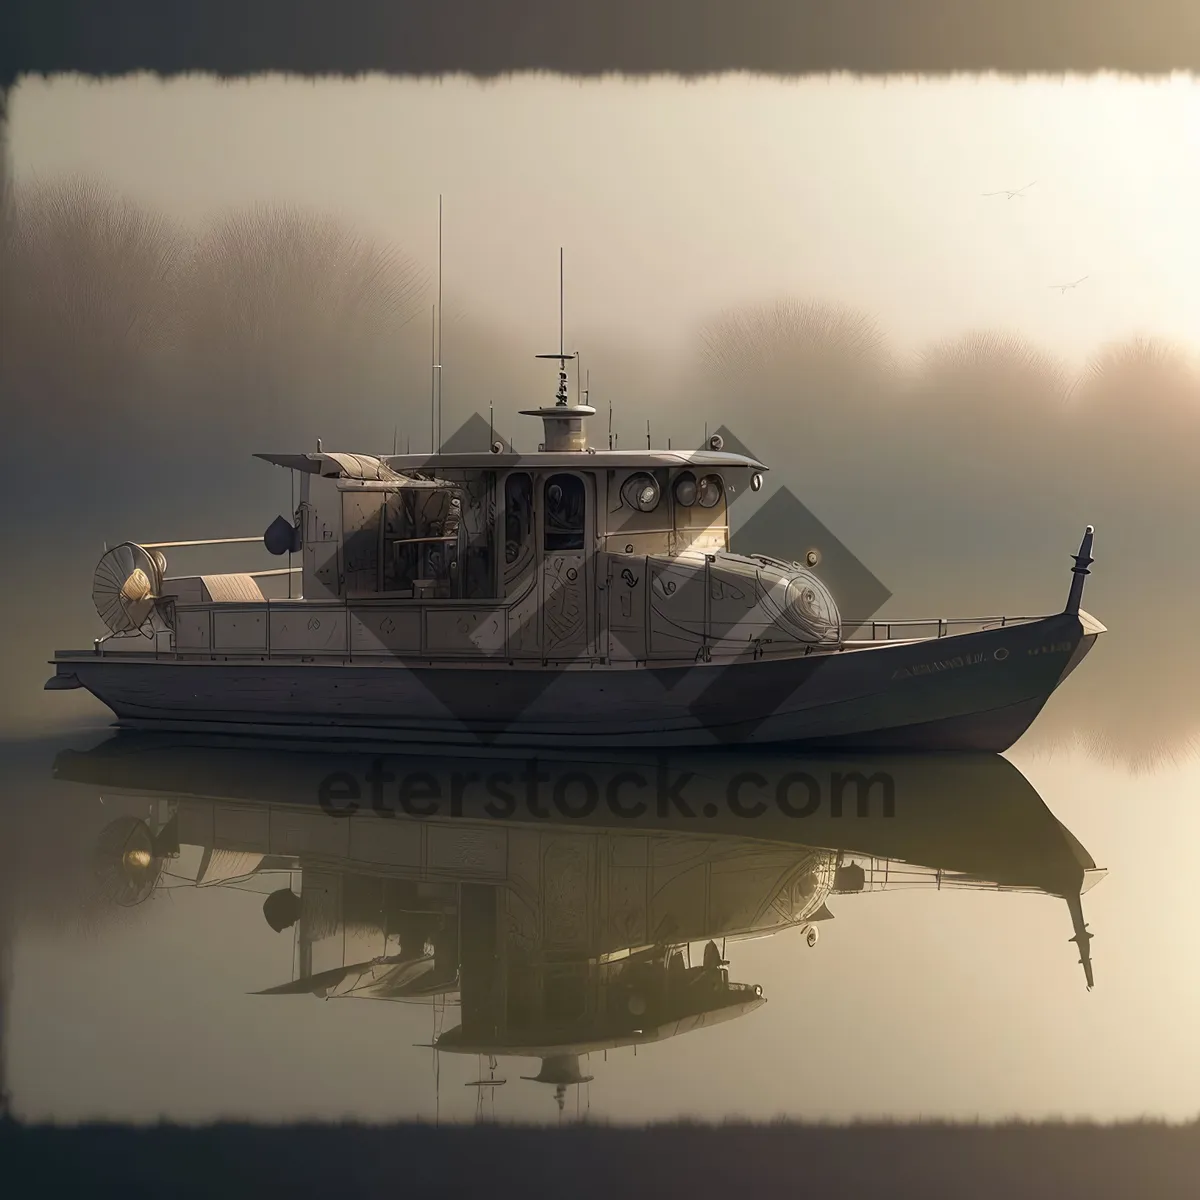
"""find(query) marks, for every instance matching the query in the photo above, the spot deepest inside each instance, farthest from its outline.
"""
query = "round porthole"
(686, 490)
(710, 491)
(641, 492)
(755, 482)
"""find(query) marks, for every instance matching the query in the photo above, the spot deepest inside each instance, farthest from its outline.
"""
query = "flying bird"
(1062, 287)
(1010, 195)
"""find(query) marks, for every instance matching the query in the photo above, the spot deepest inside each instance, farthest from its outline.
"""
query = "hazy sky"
(674, 200)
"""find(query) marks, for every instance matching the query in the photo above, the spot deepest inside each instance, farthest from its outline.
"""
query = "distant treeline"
(593, 37)
(141, 363)
(932, 1160)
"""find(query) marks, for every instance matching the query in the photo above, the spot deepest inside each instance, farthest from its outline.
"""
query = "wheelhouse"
(474, 526)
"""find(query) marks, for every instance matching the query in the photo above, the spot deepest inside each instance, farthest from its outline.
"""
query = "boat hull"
(975, 692)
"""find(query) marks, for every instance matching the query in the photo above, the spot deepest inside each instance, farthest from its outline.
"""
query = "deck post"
(1080, 572)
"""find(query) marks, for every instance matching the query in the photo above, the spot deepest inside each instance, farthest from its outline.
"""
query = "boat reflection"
(582, 918)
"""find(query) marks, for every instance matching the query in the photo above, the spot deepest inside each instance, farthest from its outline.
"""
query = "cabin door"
(567, 600)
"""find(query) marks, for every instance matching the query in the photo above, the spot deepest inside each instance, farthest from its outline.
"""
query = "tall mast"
(562, 421)
(562, 396)
(439, 329)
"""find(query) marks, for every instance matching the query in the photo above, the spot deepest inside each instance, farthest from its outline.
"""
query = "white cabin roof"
(364, 466)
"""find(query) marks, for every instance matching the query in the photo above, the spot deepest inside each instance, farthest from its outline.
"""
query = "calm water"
(941, 980)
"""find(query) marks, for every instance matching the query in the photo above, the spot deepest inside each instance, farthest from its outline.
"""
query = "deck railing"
(886, 631)
(853, 632)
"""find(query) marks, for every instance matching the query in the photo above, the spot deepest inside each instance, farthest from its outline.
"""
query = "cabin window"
(421, 532)
(477, 557)
(424, 539)
(518, 527)
(699, 500)
(636, 502)
(641, 492)
(711, 491)
(565, 512)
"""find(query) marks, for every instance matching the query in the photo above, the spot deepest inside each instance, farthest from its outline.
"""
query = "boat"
(559, 934)
(573, 597)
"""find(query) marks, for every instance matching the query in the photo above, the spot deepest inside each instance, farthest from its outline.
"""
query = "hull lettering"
(935, 668)
(1052, 648)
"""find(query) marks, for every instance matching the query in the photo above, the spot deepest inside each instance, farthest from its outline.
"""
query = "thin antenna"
(395, 437)
(491, 423)
(562, 396)
(433, 381)
(610, 432)
(439, 328)
(647, 433)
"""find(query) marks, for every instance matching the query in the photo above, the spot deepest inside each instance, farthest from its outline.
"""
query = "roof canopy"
(364, 466)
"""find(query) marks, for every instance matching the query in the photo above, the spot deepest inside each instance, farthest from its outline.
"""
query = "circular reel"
(126, 585)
